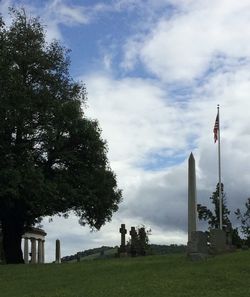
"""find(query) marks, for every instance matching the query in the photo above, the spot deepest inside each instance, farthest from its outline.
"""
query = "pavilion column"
(43, 252)
(40, 251)
(33, 251)
(26, 250)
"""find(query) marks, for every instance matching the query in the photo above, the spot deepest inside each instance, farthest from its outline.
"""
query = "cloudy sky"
(155, 72)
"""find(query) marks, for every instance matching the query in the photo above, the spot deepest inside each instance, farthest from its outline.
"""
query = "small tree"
(213, 217)
(244, 218)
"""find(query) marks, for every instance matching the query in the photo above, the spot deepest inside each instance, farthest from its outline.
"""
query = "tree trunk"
(12, 230)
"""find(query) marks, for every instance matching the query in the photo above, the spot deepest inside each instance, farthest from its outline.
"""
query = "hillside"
(152, 276)
(110, 252)
(101, 252)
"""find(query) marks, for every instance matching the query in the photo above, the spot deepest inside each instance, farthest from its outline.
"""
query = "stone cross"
(142, 241)
(123, 232)
(133, 235)
(192, 207)
(58, 251)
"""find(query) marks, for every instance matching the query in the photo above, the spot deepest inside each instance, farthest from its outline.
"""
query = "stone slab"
(218, 241)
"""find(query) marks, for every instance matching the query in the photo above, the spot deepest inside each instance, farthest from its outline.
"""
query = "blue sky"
(155, 72)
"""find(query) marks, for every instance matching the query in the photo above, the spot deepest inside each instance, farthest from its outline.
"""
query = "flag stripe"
(216, 128)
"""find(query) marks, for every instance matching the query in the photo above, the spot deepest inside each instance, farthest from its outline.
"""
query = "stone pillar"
(123, 232)
(43, 251)
(40, 251)
(33, 251)
(58, 251)
(192, 207)
(133, 235)
(26, 250)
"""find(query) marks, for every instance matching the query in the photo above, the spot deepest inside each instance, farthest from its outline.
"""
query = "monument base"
(198, 243)
(197, 247)
(123, 255)
(197, 256)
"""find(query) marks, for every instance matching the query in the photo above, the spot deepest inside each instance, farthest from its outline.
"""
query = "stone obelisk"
(58, 251)
(192, 208)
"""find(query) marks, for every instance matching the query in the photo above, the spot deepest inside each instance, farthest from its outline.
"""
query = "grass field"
(153, 276)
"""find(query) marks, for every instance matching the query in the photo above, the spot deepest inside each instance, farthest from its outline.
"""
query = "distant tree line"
(86, 253)
(157, 249)
(153, 249)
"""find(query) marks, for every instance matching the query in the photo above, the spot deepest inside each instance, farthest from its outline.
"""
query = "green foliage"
(236, 239)
(213, 216)
(52, 158)
(171, 275)
(244, 218)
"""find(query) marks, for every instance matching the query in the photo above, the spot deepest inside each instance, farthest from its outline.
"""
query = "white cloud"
(4, 9)
(52, 14)
(136, 116)
(182, 47)
(69, 13)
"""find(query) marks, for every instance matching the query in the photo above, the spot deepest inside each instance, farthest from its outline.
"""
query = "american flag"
(216, 128)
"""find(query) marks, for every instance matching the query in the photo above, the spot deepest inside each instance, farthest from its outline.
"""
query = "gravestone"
(58, 251)
(229, 237)
(218, 241)
(78, 257)
(133, 244)
(123, 232)
(245, 247)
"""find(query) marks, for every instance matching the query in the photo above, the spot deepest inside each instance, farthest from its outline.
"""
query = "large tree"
(52, 157)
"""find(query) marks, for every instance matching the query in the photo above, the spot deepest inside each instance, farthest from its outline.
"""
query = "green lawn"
(171, 275)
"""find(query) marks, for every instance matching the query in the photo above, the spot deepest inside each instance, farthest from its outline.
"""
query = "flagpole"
(219, 168)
